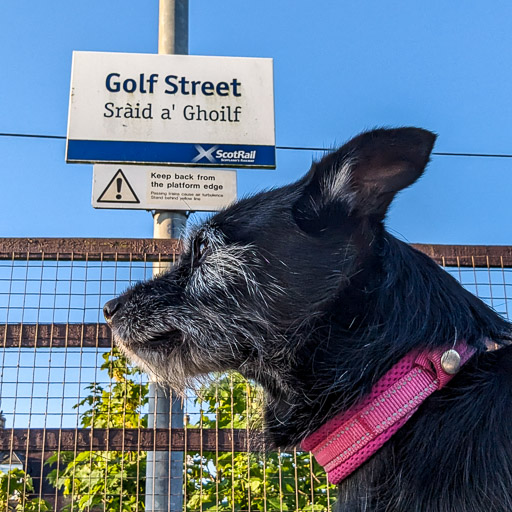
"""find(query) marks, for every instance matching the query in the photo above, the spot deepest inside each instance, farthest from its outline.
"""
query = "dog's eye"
(200, 249)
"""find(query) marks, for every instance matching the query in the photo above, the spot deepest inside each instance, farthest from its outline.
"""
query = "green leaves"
(243, 481)
(14, 487)
(120, 405)
(111, 480)
(214, 482)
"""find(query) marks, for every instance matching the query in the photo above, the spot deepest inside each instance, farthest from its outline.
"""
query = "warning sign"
(162, 188)
(118, 190)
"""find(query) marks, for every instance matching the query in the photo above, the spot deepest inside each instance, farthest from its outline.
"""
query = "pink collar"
(346, 441)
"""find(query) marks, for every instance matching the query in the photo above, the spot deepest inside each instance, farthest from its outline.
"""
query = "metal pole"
(173, 27)
(165, 470)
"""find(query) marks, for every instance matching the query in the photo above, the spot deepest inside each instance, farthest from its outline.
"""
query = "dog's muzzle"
(112, 307)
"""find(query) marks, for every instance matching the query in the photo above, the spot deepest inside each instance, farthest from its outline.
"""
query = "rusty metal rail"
(89, 249)
(149, 249)
(482, 256)
(159, 439)
(55, 336)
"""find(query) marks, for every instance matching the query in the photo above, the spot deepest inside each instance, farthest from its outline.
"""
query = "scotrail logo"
(215, 155)
(205, 153)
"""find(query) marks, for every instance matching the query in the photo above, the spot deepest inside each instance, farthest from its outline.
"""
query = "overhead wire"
(289, 148)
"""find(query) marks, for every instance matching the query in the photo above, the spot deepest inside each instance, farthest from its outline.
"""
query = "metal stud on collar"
(450, 362)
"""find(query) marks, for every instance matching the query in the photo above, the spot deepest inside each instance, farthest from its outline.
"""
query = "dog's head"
(256, 279)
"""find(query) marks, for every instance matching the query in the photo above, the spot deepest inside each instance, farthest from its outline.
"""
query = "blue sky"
(340, 67)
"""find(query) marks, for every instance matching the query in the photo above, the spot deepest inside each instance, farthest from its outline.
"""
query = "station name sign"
(171, 109)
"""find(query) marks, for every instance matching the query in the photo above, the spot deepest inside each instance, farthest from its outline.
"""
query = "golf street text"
(176, 85)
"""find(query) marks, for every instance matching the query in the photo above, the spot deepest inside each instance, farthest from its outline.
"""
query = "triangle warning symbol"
(118, 191)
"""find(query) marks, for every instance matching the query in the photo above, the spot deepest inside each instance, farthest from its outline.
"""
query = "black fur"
(302, 289)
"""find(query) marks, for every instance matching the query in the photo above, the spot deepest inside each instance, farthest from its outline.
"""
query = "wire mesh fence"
(74, 429)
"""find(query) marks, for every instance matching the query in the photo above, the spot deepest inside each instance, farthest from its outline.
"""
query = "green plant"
(249, 481)
(224, 481)
(14, 487)
(107, 480)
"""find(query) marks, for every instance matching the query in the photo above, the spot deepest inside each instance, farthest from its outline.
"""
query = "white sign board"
(171, 109)
(162, 188)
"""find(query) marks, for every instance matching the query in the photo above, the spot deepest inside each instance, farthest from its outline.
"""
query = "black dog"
(303, 290)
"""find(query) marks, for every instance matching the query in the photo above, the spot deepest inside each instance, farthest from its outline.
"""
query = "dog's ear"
(363, 176)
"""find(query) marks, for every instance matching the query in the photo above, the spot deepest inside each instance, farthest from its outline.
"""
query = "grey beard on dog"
(302, 290)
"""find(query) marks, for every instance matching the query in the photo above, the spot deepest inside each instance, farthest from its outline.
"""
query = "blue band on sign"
(219, 155)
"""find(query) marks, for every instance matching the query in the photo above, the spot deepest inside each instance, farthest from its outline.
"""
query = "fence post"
(165, 470)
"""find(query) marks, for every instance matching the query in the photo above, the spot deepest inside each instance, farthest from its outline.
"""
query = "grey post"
(165, 470)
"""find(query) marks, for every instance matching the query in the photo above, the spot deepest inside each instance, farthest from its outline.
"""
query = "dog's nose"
(111, 308)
